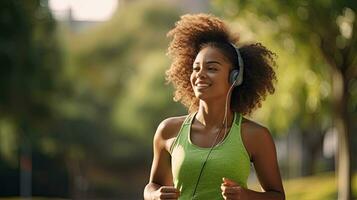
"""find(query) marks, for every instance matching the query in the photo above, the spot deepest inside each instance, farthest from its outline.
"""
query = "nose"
(201, 73)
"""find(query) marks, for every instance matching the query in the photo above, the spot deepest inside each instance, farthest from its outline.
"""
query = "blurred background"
(82, 90)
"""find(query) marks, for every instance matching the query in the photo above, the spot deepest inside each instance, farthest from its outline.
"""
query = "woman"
(207, 154)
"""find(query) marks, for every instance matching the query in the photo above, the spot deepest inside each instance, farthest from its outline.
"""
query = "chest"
(206, 137)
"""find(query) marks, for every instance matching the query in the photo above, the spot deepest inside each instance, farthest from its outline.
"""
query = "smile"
(202, 85)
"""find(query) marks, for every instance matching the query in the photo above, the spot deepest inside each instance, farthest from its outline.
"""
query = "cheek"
(222, 81)
(192, 78)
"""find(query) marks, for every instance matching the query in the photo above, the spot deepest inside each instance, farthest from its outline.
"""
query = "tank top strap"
(186, 122)
(238, 133)
(189, 119)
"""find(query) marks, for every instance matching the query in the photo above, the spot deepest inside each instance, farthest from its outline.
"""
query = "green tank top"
(228, 159)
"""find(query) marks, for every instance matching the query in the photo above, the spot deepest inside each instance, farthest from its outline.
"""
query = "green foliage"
(108, 55)
(147, 99)
(118, 94)
(98, 100)
(30, 78)
(8, 138)
(29, 59)
(122, 64)
(30, 69)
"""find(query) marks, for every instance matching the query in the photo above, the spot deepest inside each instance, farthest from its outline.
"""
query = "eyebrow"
(210, 62)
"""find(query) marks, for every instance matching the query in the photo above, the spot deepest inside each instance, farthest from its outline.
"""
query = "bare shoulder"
(169, 127)
(254, 129)
(255, 137)
(168, 130)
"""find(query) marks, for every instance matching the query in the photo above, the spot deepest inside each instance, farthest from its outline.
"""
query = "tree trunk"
(78, 184)
(312, 140)
(339, 97)
(25, 161)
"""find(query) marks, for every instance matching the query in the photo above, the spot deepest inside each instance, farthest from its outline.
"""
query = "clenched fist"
(232, 190)
(166, 192)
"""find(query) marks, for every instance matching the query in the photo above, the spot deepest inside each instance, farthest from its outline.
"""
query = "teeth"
(202, 85)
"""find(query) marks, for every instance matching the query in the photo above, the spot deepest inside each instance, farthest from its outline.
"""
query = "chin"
(208, 97)
(201, 96)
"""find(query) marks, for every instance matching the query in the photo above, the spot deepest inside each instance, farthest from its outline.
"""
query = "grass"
(317, 187)
(322, 186)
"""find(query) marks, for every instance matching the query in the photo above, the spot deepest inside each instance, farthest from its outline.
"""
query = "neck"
(212, 114)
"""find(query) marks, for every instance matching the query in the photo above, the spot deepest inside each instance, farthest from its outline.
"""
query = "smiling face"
(209, 78)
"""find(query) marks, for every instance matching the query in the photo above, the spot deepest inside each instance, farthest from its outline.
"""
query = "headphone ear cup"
(233, 77)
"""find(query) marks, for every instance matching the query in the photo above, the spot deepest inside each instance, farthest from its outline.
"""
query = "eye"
(196, 68)
(212, 68)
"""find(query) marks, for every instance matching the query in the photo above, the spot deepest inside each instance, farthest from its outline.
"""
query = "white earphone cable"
(225, 125)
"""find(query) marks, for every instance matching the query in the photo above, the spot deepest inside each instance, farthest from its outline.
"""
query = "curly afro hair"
(194, 32)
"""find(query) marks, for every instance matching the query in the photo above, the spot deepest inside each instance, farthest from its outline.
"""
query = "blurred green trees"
(30, 76)
(122, 63)
(87, 108)
(116, 71)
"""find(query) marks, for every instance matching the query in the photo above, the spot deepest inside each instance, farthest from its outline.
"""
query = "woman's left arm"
(263, 155)
(266, 166)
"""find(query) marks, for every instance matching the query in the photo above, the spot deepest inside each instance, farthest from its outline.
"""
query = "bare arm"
(266, 165)
(160, 185)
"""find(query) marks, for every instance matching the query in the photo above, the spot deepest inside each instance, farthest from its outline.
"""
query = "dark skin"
(209, 81)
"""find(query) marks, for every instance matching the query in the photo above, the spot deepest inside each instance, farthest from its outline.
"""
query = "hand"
(166, 192)
(232, 191)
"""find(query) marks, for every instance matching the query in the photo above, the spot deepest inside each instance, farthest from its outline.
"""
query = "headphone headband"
(236, 77)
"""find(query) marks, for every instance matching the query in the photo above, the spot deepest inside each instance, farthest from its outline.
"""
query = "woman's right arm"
(160, 185)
